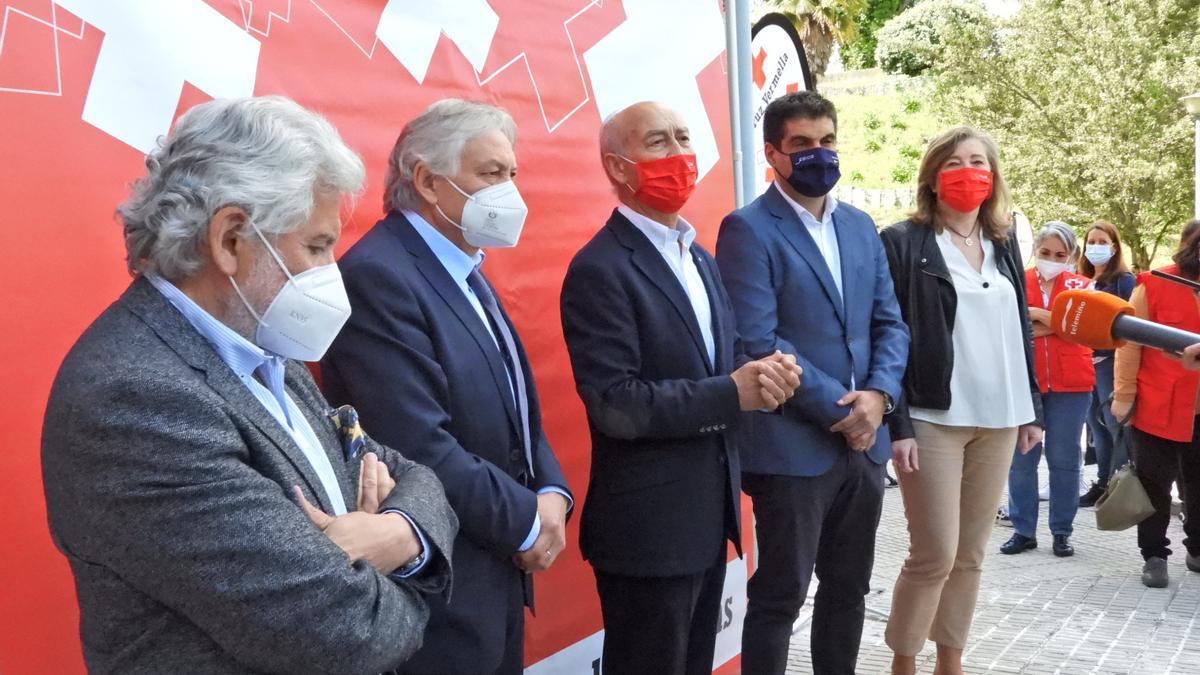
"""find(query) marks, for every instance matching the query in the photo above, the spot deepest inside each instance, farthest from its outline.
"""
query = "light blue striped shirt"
(244, 358)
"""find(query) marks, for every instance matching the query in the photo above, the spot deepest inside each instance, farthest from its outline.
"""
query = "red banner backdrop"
(86, 86)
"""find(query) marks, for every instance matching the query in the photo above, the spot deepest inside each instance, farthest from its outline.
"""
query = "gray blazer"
(168, 490)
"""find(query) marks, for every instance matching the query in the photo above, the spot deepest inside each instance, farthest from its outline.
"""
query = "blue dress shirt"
(459, 266)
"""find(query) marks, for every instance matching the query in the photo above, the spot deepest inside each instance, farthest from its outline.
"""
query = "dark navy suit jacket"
(423, 371)
(663, 494)
(785, 298)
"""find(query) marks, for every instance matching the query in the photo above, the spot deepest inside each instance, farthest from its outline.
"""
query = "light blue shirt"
(675, 246)
(459, 266)
(245, 358)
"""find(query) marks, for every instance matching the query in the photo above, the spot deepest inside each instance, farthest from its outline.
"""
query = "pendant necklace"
(966, 239)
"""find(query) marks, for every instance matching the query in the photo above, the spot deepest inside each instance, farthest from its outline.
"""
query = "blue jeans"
(1111, 452)
(1064, 413)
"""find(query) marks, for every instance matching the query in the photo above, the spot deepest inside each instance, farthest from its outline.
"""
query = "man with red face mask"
(660, 369)
(808, 277)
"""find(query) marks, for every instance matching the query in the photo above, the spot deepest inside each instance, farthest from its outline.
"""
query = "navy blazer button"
(922, 261)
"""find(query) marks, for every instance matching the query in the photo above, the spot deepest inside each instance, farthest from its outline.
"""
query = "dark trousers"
(1159, 463)
(826, 523)
(513, 662)
(661, 625)
(429, 660)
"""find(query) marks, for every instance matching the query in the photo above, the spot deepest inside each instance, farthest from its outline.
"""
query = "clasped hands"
(767, 383)
(866, 414)
(386, 541)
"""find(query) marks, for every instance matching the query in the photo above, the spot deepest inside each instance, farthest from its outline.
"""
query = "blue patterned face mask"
(814, 171)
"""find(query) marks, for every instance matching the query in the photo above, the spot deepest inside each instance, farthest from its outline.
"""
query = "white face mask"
(492, 217)
(1049, 269)
(306, 314)
(1098, 254)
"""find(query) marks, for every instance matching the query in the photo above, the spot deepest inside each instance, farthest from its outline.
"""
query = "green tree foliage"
(915, 41)
(860, 52)
(1082, 96)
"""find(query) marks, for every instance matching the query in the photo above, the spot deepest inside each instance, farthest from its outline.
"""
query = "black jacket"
(928, 303)
(663, 496)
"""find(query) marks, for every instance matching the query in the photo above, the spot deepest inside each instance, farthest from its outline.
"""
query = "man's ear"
(773, 156)
(422, 181)
(620, 170)
(226, 243)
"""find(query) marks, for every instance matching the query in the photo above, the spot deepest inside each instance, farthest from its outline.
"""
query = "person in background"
(1162, 396)
(1103, 262)
(970, 392)
(1065, 378)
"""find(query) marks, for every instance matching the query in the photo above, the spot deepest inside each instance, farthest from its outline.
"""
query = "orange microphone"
(1104, 321)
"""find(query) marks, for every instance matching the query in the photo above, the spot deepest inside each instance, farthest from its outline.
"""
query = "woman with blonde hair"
(970, 393)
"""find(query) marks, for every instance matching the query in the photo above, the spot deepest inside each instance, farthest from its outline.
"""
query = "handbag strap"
(1122, 429)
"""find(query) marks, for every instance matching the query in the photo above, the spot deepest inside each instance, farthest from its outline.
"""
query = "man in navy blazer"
(659, 367)
(807, 276)
(429, 357)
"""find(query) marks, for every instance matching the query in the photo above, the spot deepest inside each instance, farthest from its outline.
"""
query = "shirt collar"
(664, 238)
(805, 216)
(241, 355)
(457, 263)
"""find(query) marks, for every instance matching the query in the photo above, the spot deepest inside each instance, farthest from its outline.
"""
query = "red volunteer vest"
(1061, 366)
(1166, 393)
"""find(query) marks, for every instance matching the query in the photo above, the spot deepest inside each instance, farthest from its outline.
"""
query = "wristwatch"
(889, 406)
(412, 565)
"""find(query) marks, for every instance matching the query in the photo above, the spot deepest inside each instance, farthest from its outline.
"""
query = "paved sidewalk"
(1041, 614)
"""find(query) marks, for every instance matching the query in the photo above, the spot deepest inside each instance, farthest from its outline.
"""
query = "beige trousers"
(950, 504)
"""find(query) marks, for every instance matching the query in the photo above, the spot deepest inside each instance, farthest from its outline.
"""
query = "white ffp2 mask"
(1050, 269)
(492, 217)
(306, 314)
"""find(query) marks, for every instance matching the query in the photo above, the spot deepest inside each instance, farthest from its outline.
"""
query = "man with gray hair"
(218, 516)
(431, 358)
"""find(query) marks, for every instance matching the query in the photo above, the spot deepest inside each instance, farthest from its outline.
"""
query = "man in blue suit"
(808, 277)
(660, 369)
(430, 358)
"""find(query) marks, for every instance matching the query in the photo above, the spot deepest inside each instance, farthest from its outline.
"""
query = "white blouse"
(989, 385)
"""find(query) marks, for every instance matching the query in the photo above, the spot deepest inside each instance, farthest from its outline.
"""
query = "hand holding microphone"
(1191, 357)
(1104, 321)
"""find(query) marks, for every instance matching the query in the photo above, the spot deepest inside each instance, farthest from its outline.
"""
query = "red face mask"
(964, 189)
(665, 184)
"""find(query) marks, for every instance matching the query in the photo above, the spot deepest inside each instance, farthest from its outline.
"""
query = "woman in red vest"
(1165, 442)
(1065, 377)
